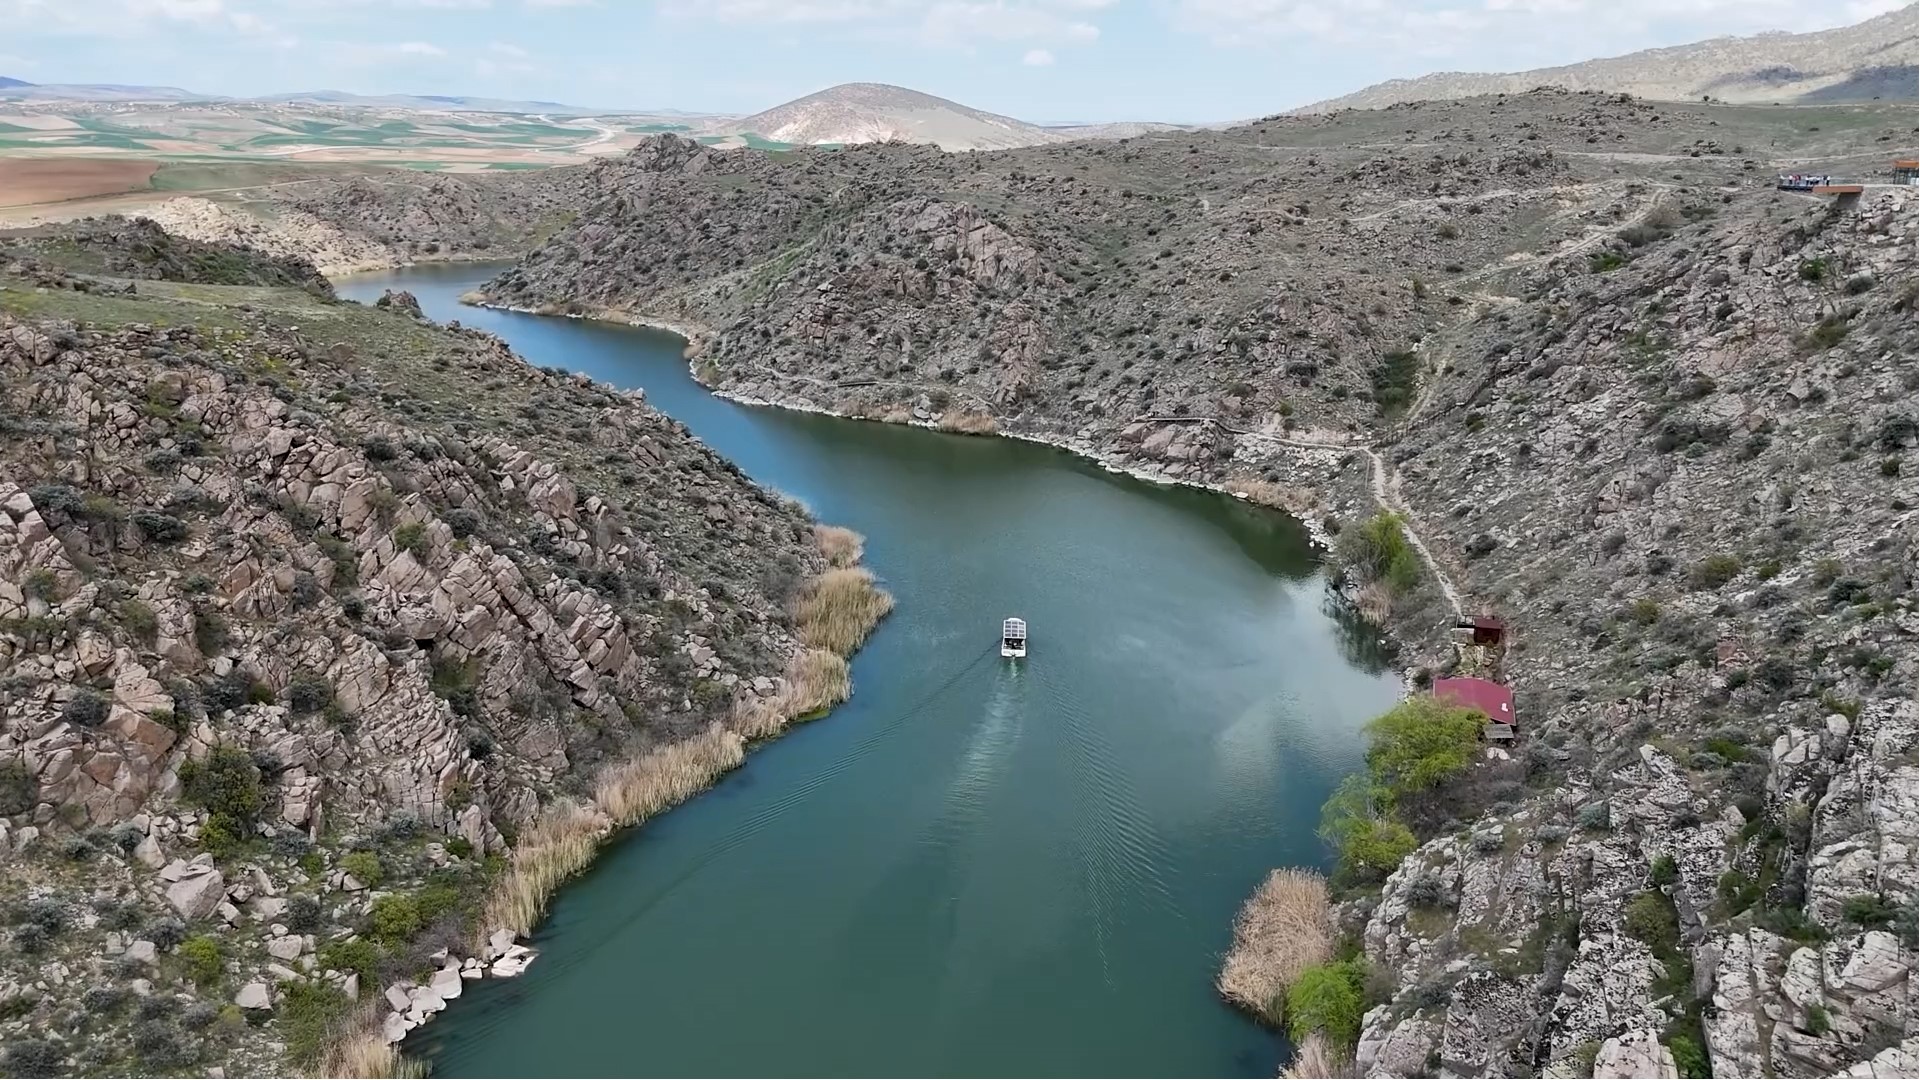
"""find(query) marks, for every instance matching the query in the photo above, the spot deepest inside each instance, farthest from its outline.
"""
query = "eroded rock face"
(288, 626)
(1704, 537)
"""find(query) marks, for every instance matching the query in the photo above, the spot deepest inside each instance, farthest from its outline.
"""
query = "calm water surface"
(972, 867)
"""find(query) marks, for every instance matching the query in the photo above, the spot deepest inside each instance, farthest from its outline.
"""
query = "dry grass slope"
(365, 1054)
(1281, 931)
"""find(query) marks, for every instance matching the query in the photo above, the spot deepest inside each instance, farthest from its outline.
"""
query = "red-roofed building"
(1491, 699)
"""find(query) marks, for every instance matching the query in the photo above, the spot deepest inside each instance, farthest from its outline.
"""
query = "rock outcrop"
(306, 610)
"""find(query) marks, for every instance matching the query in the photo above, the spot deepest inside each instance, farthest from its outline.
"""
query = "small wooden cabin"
(1483, 630)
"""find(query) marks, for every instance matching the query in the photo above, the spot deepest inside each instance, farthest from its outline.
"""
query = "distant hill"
(1873, 59)
(16, 90)
(444, 103)
(877, 112)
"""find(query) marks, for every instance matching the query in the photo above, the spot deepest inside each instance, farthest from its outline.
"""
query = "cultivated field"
(30, 181)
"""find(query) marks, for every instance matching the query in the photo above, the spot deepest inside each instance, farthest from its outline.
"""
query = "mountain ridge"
(1775, 67)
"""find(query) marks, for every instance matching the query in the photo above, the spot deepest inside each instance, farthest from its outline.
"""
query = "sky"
(1040, 60)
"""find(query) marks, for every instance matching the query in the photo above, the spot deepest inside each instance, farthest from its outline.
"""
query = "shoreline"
(694, 335)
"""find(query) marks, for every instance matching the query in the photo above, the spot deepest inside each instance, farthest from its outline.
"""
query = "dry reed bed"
(1314, 1059)
(837, 611)
(840, 608)
(841, 546)
(1282, 930)
(968, 423)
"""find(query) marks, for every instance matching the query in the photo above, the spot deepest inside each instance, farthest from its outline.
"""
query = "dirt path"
(1386, 491)
(1596, 236)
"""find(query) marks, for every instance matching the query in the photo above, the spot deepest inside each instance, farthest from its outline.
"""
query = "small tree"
(1358, 822)
(1420, 743)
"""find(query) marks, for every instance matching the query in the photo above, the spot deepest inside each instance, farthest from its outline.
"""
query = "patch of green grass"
(1395, 378)
(309, 1012)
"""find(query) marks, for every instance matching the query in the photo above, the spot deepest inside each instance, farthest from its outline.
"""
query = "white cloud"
(504, 49)
(1037, 58)
(369, 54)
(557, 3)
(940, 23)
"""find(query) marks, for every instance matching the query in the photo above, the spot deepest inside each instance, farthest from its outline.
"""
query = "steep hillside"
(332, 638)
(388, 217)
(1683, 472)
(1868, 61)
(875, 112)
(1654, 413)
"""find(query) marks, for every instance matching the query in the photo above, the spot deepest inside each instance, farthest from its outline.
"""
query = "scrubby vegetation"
(1413, 750)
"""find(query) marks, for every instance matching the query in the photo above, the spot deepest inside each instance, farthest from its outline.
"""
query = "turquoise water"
(973, 867)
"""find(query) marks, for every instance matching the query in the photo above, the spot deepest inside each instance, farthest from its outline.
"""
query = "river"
(973, 867)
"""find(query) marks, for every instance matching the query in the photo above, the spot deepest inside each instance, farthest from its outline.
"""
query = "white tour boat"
(1013, 638)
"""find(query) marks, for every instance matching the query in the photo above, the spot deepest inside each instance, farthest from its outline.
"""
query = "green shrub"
(203, 958)
(223, 837)
(1688, 1057)
(43, 585)
(1664, 871)
(210, 632)
(1869, 910)
(1714, 571)
(353, 954)
(138, 619)
(160, 528)
(19, 790)
(225, 782)
(85, 709)
(394, 918)
(1828, 332)
(1651, 919)
(1377, 550)
(1813, 269)
(1818, 1020)
(1328, 998)
(309, 692)
(31, 1057)
(1645, 611)
(411, 537)
(364, 866)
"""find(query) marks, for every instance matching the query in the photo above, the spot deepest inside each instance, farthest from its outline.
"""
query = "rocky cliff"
(1657, 415)
(1688, 485)
(386, 218)
(308, 612)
